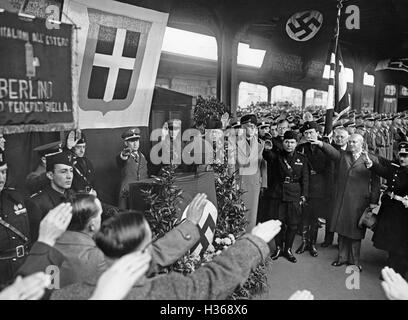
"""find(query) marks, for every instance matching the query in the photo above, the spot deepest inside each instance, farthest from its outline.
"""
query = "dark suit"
(13, 248)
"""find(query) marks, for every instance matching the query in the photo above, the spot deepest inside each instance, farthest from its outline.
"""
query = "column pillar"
(358, 85)
(269, 93)
(227, 84)
(303, 99)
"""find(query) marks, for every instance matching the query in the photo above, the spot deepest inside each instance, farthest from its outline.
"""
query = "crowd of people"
(301, 178)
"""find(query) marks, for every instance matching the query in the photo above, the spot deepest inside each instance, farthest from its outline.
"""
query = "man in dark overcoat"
(319, 168)
(357, 189)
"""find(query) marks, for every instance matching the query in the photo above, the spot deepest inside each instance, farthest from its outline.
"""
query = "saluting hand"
(196, 208)
(316, 142)
(55, 223)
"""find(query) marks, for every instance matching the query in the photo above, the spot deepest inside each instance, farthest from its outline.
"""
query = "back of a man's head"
(122, 234)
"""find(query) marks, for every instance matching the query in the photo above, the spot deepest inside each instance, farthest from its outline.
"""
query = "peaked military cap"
(49, 148)
(235, 124)
(132, 133)
(263, 123)
(403, 147)
(249, 118)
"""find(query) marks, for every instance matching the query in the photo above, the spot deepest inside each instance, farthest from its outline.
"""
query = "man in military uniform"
(59, 168)
(350, 126)
(397, 134)
(14, 228)
(84, 173)
(319, 166)
(371, 134)
(379, 137)
(132, 163)
(37, 180)
(287, 191)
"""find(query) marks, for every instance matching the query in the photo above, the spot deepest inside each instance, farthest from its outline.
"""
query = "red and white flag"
(117, 57)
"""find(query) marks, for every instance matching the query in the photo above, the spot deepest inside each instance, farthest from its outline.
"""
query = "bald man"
(357, 189)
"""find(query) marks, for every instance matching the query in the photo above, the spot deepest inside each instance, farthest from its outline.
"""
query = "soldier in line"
(287, 191)
(370, 136)
(14, 228)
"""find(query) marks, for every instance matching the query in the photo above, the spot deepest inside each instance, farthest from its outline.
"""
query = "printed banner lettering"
(35, 75)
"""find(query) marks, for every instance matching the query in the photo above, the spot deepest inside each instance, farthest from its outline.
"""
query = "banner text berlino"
(35, 75)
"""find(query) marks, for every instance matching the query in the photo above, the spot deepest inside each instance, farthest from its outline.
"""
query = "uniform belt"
(17, 252)
(291, 180)
(394, 196)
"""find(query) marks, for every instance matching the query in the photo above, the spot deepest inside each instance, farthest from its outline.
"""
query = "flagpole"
(332, 78)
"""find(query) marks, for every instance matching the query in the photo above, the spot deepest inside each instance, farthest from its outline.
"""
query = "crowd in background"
(302, 176)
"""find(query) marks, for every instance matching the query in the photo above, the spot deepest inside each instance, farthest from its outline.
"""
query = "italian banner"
(117, 54)
(35, 75)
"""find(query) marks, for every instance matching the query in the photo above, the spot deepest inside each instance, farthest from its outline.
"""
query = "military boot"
(313, 237)
(305, 241)
(290, 237)
(279, 246)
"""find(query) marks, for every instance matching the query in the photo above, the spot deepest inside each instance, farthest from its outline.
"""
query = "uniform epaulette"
(10, 188)
(396, 165)
(36, 194)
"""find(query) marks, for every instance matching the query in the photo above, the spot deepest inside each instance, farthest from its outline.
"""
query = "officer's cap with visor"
(263, 123)
(131, 134)
(63, 157)
(48, 149)
(249, 118)
(403, 148)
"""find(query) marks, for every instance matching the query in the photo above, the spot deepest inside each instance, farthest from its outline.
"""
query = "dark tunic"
(13, 212)
(84, 174)
(320, 168)
(289, 182)
(39, 204)
(391, 231)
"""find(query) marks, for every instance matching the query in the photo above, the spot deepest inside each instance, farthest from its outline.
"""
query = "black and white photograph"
(230, 151)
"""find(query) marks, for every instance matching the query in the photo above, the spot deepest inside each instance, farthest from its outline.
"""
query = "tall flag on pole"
(334, 76)
(342, 98)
